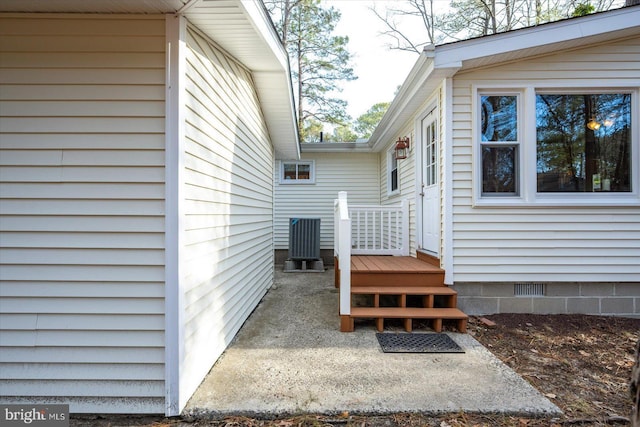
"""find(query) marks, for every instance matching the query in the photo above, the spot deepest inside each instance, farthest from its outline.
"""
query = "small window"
(297, 172)
(583, 143)
(392, 167)
(499, 145)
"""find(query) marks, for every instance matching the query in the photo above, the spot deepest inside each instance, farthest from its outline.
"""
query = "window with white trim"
(392, 172)
(499, 144)
(583, 142)
(297, 172)
(557, 146)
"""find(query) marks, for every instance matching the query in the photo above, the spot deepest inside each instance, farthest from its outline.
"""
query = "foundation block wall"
(606, 299)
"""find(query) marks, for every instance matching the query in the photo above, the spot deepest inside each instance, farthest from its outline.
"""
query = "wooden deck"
(401, 277)
(390, 264)
(394, 271)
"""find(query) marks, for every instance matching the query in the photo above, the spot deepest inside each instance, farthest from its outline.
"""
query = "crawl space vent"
(528, 289)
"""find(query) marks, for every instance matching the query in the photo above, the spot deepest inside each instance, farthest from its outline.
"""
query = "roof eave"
(336, 147)
(441, 62)
(542, 39)
(423, 79)
(273, 82)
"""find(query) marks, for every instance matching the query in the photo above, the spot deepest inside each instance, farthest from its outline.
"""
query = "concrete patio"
(290, 358)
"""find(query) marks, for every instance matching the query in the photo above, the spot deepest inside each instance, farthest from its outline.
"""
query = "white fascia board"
(275, 95)
(259, 19)
(336, 147)
(284, 140)
(577, 30)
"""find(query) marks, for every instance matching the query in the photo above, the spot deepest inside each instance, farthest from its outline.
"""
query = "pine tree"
(367, 122)
(319, 61)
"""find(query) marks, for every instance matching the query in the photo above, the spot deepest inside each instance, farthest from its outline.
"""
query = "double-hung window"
(499, 144)
(539, 146)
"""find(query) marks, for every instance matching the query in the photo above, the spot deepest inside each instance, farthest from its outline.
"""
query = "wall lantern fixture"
(402, 148)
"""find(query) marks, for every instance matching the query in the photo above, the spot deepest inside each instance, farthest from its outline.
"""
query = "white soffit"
(240, 27)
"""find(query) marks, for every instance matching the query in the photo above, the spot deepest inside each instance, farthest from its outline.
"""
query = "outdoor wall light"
(402, 148)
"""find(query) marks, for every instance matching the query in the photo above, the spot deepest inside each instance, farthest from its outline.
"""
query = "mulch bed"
(582, 363)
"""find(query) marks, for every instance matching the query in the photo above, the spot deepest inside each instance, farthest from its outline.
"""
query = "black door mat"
(418, 343)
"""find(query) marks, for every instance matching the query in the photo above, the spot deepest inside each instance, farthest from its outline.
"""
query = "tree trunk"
(591, 161)
(286, 13)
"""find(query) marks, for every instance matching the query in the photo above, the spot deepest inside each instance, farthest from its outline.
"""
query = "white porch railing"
(366, 230)
(380, 230)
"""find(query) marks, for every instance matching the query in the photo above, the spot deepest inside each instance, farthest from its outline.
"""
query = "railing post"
(405, 228)
(343, 246)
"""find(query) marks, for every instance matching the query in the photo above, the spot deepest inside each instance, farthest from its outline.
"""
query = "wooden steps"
(401, 277)
(410, 313)
(394, 271)
(428, 292)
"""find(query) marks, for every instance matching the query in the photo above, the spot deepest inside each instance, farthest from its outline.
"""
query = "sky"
(380, 71)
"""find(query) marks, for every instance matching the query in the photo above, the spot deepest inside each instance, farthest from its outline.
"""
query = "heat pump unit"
(304, 238)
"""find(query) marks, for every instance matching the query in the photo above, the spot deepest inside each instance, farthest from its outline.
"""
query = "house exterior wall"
(502, 245)
(227, 258)
(82, 211)
(406, 179)
(355, 173)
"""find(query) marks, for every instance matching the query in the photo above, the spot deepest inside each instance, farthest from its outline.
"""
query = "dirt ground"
(581, 363)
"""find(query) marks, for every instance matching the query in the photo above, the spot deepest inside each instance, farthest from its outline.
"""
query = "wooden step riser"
(426, 301)
(406, 290)
(436, 315)
(399, 296)
(397, 279)
(347, 324)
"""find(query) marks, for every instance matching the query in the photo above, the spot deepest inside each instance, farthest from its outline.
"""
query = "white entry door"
(430, 188)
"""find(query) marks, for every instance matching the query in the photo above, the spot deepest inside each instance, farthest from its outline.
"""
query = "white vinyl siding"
(355, 173)
(227, 258)
(507, 244)
(406, 181)
(82, 211)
